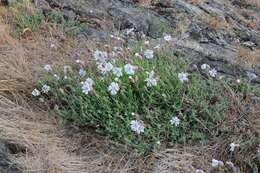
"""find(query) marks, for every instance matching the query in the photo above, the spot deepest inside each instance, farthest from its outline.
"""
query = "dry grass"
(246, 55)
(145, 3)
(215, 22)
(182, 159)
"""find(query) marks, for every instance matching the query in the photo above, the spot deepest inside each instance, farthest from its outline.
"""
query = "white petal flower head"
(129, 69)
(149, 54)
(137, 126)
(56, 77)
(105, 67)
(251, 76)
(36, 93)
(82, 72)
(157, 47)
(151, 80)
(108, 67)
(113, 88)
(229, 163)
(233, 146)
(213, 72)
(129, 31)
(87, 86)
(205, 66)
(117, 71)
(47, 67)
(175, 121)
(216, 163)
(100, 56)
(138, 55)
(167, 37)
(46, 88)
(183, 77)
(199, 171)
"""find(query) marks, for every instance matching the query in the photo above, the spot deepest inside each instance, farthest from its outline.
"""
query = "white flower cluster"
(149, 54)
(233, 146)
(87, 86)
(137, 126)
(212, 72)
(129, 69)
(183, 77)
(113, 88)
(175, 121)
(216, 163)
(45, 89)
(151, 80)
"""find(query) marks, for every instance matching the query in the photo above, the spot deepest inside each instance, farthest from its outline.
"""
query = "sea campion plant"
(137, 101)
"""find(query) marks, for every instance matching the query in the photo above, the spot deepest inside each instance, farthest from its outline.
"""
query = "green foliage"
(25, 21)
(70, 26)
(197, 103)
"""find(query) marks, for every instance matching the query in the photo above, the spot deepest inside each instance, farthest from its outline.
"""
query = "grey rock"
(214, 42)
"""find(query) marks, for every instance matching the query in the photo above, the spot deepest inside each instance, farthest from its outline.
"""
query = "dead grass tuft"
(215, 22)
(246, 55)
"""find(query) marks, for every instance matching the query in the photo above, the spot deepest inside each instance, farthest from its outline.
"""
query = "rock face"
(6, 165)
(222, 33)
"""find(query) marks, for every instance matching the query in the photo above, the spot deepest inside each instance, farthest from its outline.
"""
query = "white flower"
(41, 100)
(87, 86)
(148, 54)
(105, 67)
(137, 126)
(251, 76)
(36, 92)
(205, 66)
(157, 47)
(47, 67)
(100, 56)
(113, 88)
(56, 76)
(146, 42)
(216, 163)
(53, 46)
(108, 67)
(238, 81)
(129, 31)
(229, 163)
(232, 146)
(66, 69)
(199, 171)
(151, 80)
(175, 121)
(167, 37)
(46, 88)
(82, 72)
(213, 72)
(129, 69)
(117, 71)
(158, 143)
(138, 55)
(183, 77)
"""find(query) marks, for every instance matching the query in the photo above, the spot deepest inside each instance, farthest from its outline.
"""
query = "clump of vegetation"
(25, 22)
(140, 102)
(25, 18)
(69, 26)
